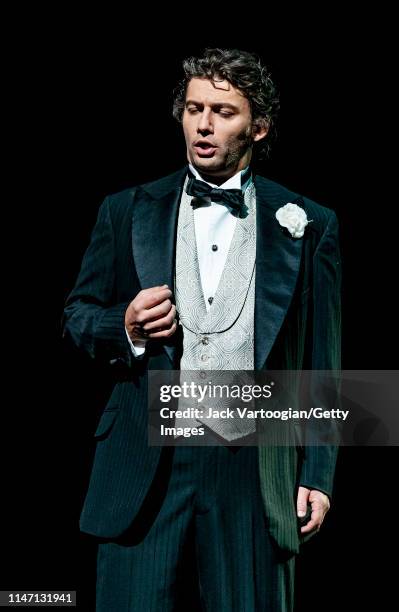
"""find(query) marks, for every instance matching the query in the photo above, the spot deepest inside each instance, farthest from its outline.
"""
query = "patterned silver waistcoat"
(221, 338)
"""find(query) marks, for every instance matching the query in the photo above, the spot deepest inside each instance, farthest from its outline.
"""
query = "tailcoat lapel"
(278, 258)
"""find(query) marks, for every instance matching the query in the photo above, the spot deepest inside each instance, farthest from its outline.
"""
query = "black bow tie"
(202, 192)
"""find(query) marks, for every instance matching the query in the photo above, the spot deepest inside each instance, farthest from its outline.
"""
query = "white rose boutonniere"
(294, 218)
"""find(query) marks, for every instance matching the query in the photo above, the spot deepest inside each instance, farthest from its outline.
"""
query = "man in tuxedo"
(195, 272)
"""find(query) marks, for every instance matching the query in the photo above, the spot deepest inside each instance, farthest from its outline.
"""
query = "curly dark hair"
(244, 71)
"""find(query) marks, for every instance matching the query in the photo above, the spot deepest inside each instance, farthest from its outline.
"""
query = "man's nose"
(205, 123)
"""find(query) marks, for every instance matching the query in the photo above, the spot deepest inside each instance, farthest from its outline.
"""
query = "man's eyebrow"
(215, 104)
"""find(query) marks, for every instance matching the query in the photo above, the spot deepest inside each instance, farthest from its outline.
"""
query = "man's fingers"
(149, 304)
(319, 499)
(165, 333)
(312, 525)
(163, 322)
(155, 315)
(148, 298)
(302, 500)
(316, 519)
(320, 506)
(151, 314)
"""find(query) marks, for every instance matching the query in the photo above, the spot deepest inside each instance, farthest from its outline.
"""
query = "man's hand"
(151, 314)
(320, 506)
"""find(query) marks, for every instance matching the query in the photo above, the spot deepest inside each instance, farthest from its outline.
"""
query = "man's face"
(217, 125)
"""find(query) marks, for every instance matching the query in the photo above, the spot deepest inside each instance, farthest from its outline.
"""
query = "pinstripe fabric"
(309, 338)
(212, 505)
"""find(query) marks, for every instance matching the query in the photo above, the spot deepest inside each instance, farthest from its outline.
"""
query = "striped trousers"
(200, 541)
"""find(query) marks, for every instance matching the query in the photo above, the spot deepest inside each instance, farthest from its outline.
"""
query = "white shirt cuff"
(137, 347)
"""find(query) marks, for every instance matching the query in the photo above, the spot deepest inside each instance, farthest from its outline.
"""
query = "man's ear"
(260, 128)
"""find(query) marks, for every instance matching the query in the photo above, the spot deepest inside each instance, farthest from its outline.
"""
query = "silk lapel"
(278, 258)
(154, 230)
(154, 225)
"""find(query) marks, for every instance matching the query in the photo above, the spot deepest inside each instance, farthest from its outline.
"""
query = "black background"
(93, 108)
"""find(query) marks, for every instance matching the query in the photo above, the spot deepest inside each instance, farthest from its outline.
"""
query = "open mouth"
(204, 149)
